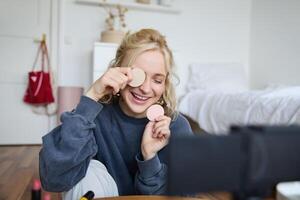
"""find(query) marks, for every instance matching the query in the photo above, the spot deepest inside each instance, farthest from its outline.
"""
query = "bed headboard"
(226, 77)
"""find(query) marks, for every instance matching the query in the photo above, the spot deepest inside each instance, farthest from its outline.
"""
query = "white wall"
(204, 31)
(275, 42)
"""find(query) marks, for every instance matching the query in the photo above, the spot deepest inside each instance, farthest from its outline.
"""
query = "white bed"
(217, 100)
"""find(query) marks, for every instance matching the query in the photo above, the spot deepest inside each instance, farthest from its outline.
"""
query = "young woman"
(109, 124)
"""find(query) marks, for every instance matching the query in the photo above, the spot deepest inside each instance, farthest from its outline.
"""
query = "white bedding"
(216, 111)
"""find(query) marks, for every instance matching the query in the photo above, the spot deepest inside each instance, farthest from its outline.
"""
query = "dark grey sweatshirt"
(103, 132)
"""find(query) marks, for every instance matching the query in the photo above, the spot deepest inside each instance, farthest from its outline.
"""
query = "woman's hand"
(112, 81)
(156, 136)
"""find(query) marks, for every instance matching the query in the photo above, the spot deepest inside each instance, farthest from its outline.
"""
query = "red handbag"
(39, 89)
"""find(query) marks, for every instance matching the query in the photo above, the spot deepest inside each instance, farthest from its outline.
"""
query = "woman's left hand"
(156, 136)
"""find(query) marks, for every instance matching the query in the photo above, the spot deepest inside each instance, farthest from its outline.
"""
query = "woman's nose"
(146, 86)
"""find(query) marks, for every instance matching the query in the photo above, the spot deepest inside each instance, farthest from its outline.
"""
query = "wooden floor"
(18, 169)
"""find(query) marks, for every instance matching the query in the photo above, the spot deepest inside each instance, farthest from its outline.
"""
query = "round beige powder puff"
(138, 77)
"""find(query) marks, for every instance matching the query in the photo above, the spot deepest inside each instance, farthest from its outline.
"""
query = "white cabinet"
(104, 53)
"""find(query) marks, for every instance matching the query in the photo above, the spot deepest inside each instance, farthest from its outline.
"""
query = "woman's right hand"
(111, 82)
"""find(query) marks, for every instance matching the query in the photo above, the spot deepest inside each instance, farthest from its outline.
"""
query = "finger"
(126, 71)
(165, 133)
(123, 86)
(110, 74)
(121, 81)
(114, 85)
(162, 123)
(149, 126)
(159, 118)
(162, 117)
(161, 131)
(161, 136)
(129, 74)
(119, 77)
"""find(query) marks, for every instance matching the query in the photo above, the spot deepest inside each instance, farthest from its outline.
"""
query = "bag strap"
(37, 56)
(46, 56)
(43, 51)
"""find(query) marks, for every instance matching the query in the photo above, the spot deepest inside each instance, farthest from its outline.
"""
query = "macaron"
(154, 111)
(138, 77)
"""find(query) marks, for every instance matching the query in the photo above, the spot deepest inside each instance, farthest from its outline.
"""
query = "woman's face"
(136, 100)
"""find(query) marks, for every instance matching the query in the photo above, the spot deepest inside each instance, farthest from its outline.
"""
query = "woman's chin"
(137, 108)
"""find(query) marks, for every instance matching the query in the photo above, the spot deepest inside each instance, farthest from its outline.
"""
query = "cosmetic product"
(88, 196)
(154, 111)
(36, 190)
(47, 196)
(138, 77)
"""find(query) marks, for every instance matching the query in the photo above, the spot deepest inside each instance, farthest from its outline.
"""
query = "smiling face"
(134, 101)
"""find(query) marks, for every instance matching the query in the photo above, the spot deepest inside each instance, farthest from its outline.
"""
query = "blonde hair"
(134, 44)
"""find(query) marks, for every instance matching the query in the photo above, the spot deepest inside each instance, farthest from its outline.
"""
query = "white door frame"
(56, 42)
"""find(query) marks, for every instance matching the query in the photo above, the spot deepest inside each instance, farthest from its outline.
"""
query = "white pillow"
(225, 77)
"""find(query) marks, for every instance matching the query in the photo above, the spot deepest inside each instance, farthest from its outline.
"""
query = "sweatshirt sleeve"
(151, 177)
(67, 149)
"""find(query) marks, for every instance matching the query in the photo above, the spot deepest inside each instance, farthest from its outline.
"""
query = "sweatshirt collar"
(126, 117)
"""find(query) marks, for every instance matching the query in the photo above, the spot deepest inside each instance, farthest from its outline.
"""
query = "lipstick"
(36, 190)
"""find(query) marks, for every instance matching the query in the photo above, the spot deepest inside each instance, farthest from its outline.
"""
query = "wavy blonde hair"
(134, 44)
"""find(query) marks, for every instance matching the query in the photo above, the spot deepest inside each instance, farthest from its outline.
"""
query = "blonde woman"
(109, 125)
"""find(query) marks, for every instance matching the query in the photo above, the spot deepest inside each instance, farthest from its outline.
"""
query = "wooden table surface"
(147, 197)
(214, 196)
(150, 197)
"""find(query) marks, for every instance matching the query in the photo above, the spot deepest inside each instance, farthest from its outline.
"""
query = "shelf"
(133, 6)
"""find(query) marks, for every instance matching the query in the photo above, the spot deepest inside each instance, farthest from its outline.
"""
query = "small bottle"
(36, 190)
(88, 196)
(47, 196)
